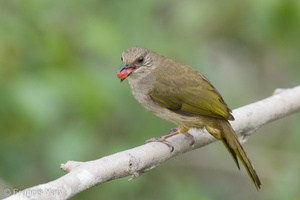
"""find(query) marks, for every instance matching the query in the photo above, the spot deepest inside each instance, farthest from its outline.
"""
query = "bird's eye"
(141, 59)
(122, 59)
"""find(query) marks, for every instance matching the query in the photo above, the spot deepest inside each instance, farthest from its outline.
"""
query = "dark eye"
(121, 58)
(141, 59)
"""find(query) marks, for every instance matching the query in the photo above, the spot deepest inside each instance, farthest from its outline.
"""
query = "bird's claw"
(172, 132)
(162, 140)
(191, 138)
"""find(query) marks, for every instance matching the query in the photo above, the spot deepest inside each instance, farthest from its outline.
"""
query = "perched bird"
(182, 95)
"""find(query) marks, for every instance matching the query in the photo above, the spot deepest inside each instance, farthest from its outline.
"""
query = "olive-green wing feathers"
(188, 93)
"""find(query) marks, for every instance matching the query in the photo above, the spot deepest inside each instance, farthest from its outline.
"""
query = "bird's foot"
(162, 140)
(173, 131)
(191, 138)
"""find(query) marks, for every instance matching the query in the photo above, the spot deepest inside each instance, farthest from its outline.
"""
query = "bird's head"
(135, 60)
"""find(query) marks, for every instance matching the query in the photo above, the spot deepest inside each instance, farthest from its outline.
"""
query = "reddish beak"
(125, 71)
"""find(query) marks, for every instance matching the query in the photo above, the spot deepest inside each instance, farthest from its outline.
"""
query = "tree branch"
(136, 161)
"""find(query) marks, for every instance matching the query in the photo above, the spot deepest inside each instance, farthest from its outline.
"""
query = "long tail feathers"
(235, 149)
(222, 130)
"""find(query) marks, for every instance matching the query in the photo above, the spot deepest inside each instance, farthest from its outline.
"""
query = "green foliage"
(60, 99)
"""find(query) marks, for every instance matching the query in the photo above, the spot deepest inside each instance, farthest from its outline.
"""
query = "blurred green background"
(60, 99)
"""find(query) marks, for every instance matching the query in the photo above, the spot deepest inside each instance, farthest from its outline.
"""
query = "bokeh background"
(60, 99)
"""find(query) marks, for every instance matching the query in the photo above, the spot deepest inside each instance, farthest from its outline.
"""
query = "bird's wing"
(189, 93)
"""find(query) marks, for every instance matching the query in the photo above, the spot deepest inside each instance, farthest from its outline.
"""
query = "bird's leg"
(173, 131)
(162, 139)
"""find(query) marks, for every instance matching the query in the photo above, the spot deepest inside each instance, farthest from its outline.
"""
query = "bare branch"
(136, 161)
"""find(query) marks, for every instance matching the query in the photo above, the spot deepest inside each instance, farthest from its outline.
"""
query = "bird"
(180, 94)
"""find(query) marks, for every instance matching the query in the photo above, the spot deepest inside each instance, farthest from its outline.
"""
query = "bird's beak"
(124, 66)
(125, 71)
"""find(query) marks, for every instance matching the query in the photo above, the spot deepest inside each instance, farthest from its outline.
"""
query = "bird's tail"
(234, 147)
